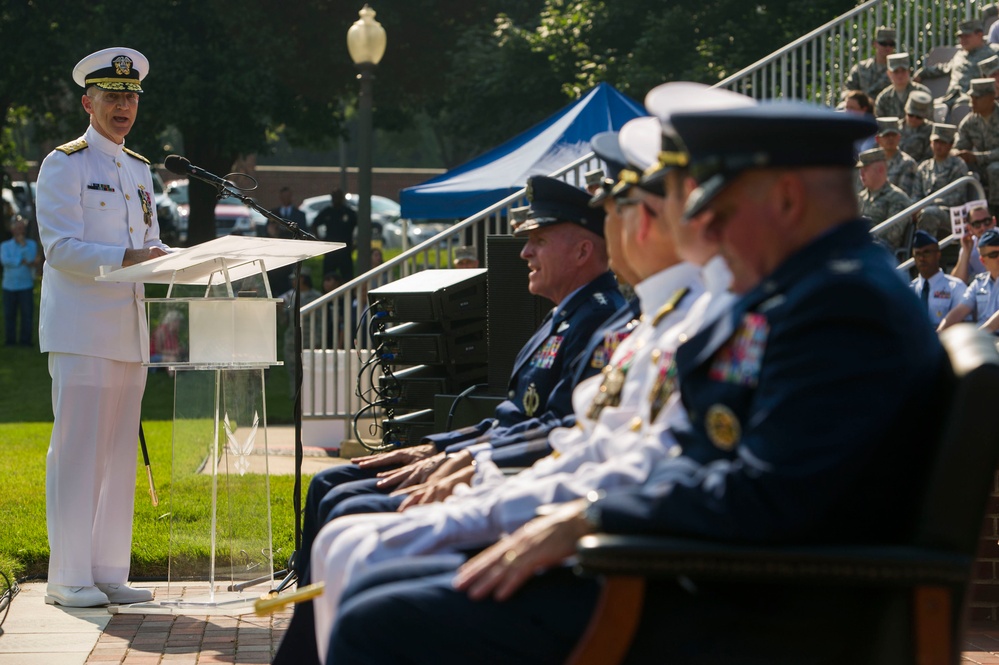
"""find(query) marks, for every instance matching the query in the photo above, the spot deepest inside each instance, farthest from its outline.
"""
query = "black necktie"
(925, 293)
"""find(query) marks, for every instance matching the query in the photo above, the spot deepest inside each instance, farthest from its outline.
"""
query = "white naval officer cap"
(118, 69)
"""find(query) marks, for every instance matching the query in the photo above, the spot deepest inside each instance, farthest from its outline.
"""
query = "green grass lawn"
(25, 427)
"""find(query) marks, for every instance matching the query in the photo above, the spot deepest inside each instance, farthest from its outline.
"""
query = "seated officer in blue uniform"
(812, 409)
(567, 258)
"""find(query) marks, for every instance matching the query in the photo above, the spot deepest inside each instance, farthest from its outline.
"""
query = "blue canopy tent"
(543, 149)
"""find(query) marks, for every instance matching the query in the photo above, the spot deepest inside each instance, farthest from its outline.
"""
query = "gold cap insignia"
(122, 65)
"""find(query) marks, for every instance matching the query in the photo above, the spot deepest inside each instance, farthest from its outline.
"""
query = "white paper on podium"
(195, 265)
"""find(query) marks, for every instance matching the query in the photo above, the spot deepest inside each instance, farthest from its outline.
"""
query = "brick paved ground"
(136, 639)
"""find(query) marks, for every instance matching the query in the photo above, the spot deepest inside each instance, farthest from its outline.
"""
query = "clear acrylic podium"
(218, 342)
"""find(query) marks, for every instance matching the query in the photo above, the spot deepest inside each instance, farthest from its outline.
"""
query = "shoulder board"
(73, 146)
(136, 155)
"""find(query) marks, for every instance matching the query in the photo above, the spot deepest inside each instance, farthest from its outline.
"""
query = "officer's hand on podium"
(133, 256)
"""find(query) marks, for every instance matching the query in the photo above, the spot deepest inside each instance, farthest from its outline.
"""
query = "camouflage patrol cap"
(885, 35)
(518, 216)
(888, 125)
(982, 87)
(871, 156)
(919, 104)
(605, 146)
(898, 61)
(989, 65)
(942, 132)
(970, 26)
(594, 177)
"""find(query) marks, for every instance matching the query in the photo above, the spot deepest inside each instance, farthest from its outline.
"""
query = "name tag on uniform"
(100, 188)
(740, 359)
(544, 357)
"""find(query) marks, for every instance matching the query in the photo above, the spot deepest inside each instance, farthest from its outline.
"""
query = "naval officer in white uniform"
(95, 208)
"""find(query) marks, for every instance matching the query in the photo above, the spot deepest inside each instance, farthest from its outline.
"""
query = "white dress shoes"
(122, 594)
(74, 596)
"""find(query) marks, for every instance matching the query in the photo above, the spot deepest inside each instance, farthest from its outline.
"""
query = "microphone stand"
(297, 233)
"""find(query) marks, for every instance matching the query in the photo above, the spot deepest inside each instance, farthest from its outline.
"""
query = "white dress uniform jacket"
(91, 194)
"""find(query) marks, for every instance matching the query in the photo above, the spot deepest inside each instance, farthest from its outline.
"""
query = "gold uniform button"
(131, 230)
(128, 198)
(682, 338)
(656, 355)
(103, 204)
(635, 424)
(119, 164)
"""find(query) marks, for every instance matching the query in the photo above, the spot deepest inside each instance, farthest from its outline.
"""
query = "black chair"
(905, 602)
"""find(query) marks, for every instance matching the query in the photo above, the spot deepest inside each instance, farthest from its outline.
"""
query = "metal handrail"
(907, 214)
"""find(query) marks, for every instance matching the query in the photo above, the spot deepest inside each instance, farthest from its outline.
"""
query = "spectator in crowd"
(880, 199)
(901, 167)
(963, 67)
(306, 295)
(969, 262)
(989, 15)
(938, 291)
(750, 447)
(20, 259)
(335, 324)
(917, 127)
(593, 179)
(977, 140)
(287, 210)
(892, 100)
(934, 174)
(336, 224)
(870, 76)
(981, 298)
(467, 257)
(857, 101)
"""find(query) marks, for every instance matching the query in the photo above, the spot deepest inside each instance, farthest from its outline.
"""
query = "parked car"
(167, 213)
(231, 215)
(385, 219)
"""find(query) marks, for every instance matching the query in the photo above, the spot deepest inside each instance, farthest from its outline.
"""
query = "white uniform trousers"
(90, 468)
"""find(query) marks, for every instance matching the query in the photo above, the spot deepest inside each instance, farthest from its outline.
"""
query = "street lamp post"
(366, 43)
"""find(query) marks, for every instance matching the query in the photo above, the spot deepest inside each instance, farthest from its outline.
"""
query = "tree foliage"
(227, 79)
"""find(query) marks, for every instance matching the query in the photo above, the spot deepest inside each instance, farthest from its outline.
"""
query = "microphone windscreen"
(177, 164)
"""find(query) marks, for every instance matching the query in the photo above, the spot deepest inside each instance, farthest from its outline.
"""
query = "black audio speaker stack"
(430, 338)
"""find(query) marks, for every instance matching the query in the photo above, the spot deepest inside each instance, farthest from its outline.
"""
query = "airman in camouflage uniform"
(901, 167)
(978, 138)
(963, 67)
(917, 127)
(934, 174)
(871, 75)
(880, 199)
(891, 101)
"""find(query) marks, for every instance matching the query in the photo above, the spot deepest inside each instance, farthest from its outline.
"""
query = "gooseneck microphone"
(183, 166)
